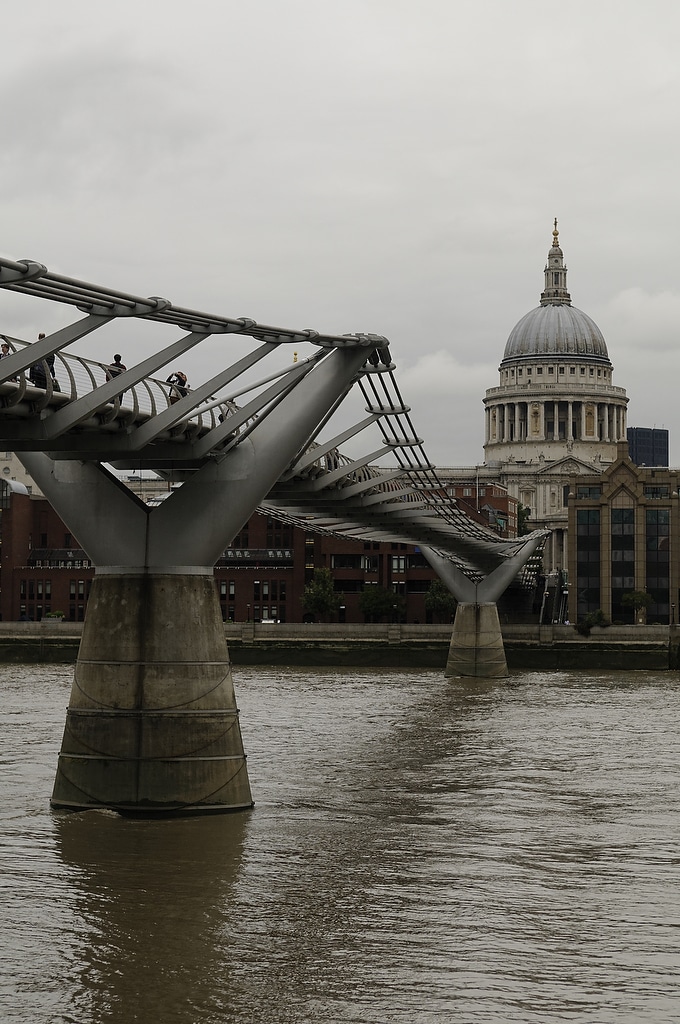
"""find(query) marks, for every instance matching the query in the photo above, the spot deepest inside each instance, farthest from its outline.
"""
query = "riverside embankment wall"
(405, 646)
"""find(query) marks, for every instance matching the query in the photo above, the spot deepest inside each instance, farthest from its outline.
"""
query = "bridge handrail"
(32, 278)
(77, 376)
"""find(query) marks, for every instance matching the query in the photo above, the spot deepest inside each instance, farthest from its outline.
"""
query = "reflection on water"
(420, 850)
(149, 899)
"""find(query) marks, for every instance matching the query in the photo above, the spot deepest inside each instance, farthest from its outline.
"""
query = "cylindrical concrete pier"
(477, 643)
(152, 726)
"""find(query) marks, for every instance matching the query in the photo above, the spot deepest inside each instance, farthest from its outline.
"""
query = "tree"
(378, 603)
(440, 602)
(319, 598)
(523, 517)
(639, 601)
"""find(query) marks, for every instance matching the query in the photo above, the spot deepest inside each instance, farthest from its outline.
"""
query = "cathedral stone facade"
(556, 412)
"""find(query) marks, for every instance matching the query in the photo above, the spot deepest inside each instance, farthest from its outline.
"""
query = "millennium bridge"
(307, 426)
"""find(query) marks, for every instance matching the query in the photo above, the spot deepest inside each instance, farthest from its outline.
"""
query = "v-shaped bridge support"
(152, 726)
(477, 641)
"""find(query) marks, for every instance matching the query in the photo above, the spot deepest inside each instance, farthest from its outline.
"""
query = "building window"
(582, 491)
(657, 563)
(587, 561)
(349, 561)
(622, 561)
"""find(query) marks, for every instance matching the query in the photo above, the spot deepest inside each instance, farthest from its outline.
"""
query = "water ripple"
(421, 850)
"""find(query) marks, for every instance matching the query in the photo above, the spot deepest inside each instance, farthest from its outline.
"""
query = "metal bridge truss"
(389, 491)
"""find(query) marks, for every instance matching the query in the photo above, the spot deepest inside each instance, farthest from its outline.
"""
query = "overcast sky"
(387, 166)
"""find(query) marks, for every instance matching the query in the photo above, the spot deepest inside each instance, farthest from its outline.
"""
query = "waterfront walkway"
(408, 645)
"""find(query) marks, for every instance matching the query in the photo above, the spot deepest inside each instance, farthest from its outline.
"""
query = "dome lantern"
(555, 327)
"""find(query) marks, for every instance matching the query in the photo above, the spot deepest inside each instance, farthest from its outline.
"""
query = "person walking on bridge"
(179, 387)
(37, 374)
(115, 368)
(6, 351)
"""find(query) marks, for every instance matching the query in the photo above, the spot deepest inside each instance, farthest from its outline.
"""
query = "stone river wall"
(529, 647)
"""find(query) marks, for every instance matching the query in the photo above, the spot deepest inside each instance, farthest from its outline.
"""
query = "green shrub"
(598, 618)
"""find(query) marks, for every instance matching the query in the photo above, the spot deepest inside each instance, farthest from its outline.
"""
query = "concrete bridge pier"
(476, 642)
(152, 726)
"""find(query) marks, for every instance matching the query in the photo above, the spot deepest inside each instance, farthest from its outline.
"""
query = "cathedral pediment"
(568, 466)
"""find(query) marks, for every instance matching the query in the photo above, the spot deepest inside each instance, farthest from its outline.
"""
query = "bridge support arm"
(108, 519)
(477, 641)
(208, 510)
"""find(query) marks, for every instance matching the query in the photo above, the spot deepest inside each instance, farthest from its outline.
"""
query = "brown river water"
(421, 850)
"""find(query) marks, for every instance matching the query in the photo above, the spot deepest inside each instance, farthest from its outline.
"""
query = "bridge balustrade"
(77, 376)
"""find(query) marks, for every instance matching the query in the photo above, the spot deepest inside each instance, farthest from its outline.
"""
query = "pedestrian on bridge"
(37, 375)
(39, 372)
(6, 351)
(50, 367)
(180, 386)
(115, 368)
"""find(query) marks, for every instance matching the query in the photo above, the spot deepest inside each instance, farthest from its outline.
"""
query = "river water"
(421, 850)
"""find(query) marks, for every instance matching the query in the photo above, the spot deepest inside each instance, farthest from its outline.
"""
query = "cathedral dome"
(556, 328)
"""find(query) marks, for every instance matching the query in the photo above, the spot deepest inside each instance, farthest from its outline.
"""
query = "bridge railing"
(77, 376)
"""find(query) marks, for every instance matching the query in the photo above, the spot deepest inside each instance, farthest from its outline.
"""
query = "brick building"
(261, 575)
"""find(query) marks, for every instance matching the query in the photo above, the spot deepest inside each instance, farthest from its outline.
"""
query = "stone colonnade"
(555, 420)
